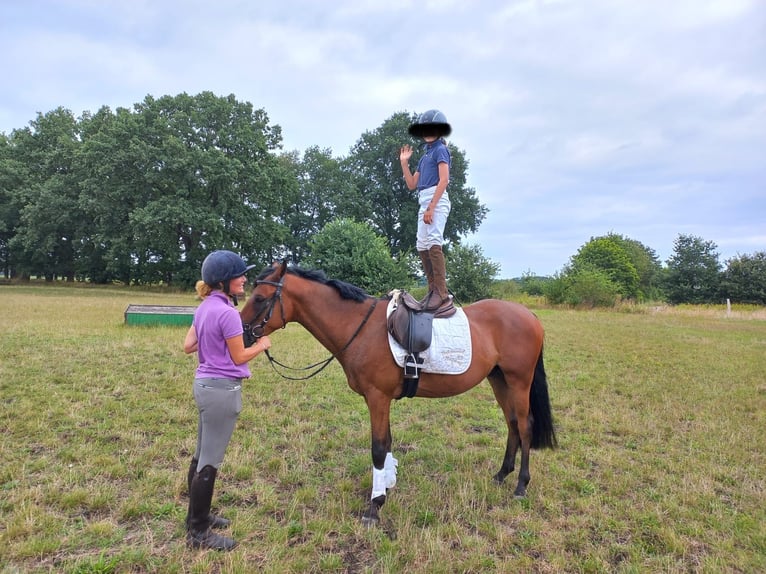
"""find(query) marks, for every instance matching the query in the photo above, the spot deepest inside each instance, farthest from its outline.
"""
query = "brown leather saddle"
(412, 328)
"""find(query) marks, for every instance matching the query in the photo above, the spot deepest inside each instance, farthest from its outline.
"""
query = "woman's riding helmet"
(221, 266)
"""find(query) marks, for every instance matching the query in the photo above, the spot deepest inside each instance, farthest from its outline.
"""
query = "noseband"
(256, 332)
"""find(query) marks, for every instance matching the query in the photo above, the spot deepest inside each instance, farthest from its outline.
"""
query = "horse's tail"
(543, 433)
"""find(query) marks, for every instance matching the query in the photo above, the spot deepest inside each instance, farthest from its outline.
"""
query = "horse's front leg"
(383, 463)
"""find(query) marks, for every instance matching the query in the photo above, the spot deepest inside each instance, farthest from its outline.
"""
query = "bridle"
(257, 332)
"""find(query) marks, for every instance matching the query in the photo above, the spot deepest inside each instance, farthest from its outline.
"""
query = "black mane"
(345, 290)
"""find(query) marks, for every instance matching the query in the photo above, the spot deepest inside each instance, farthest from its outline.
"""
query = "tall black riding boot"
(198, 532)
(215, 521)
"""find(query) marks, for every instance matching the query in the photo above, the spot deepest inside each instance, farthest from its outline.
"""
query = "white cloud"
(578, 117)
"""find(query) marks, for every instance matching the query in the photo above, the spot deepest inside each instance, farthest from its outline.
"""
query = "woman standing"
(216, 337)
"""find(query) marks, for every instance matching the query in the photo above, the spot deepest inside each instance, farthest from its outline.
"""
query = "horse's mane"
(345, 290)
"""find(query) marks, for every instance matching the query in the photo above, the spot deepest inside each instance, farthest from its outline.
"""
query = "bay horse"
(507, 349)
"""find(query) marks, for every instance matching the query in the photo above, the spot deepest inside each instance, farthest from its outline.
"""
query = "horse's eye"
(258, 299)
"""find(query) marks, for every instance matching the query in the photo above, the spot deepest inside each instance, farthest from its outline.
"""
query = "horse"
(507, 349)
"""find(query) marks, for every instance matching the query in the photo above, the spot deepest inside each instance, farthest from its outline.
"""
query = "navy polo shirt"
(428, 166)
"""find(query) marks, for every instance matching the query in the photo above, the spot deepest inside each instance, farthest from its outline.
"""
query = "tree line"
(611, 268)
(141, 195)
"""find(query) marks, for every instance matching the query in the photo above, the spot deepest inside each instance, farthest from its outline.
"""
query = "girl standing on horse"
(216, 337)
(430, 179)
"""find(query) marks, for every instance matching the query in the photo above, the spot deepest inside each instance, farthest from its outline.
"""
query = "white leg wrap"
(390, 468)
(378, 482)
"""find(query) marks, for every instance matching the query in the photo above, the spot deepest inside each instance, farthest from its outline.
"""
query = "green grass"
(661, 419)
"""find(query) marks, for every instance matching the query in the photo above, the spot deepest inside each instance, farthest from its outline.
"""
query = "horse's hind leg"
(504, 399)
(520, 394)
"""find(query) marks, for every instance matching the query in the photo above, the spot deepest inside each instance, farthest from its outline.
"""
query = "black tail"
(543, 433)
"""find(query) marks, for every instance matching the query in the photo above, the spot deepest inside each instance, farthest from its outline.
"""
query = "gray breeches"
(219, 402)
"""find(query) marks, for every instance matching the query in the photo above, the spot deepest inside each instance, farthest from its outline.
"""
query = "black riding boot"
(215, 521)
(198, 532)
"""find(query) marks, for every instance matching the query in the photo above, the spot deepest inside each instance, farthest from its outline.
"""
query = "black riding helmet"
(221, 267)
(432, 122)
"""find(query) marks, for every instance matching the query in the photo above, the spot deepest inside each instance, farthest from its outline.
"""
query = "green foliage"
(50, 223)
(693, 271)
(744, 279)
(589, 286)
(142, 196)
(608, 256)
(645, 261)
(469, 273)
(604, 270)
(323, 192)
(505, 289)
(533, 284)
(352, 252)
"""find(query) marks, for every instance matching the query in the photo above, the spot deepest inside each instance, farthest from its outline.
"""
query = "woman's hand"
(405, 153)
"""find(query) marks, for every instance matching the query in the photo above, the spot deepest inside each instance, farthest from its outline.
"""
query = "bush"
(587, 287)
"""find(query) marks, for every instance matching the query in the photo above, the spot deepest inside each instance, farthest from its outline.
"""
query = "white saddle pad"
(450, 350)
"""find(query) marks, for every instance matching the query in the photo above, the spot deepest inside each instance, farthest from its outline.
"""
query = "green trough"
(159, 315)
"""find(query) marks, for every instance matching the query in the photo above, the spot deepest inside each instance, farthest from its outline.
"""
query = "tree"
(387, 205)
(352, 252)
(176, 178)
(12, 177)
(322, 192)
(646, 263)
(50, 222)
(693, 271)
(609, 256)
(744, 279)
(588, 286)
(469, 273)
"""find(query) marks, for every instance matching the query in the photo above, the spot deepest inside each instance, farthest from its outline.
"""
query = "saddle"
(412, 328)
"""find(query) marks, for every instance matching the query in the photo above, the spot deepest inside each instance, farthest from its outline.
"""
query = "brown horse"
(507, 349)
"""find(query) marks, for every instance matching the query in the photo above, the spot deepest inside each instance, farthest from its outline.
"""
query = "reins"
(272, 361)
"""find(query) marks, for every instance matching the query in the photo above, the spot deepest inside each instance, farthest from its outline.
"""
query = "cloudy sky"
(645, 118)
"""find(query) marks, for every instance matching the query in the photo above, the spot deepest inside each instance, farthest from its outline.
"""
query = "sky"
(645, 118)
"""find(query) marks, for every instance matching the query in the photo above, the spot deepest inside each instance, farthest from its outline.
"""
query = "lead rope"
(273, 361)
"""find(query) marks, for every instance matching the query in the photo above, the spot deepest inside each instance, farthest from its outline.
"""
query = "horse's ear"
(282, 267)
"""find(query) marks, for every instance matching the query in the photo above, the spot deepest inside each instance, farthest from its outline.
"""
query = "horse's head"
(258, 312)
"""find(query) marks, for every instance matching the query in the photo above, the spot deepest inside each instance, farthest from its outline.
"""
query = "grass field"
(661, 420)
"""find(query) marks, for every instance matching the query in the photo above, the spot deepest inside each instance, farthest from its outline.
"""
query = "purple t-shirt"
(216, 320)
